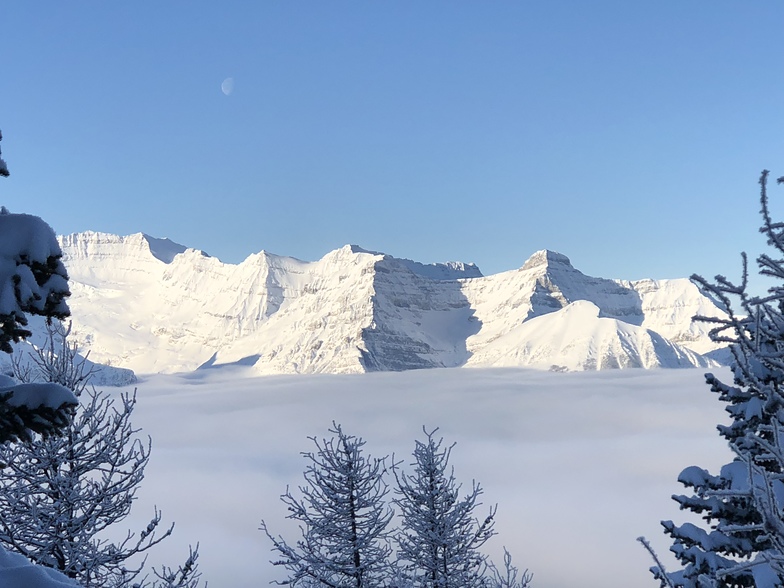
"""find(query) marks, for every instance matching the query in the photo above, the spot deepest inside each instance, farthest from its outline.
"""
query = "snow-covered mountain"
(577, 337)
(152, 305)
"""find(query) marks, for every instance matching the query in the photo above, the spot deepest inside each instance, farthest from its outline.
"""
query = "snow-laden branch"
(744, 504)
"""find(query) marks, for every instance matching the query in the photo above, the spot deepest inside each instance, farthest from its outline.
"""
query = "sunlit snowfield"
(580, 464)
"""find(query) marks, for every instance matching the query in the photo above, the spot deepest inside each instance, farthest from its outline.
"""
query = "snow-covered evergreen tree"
(23, 411)
(439, 539)
(59, 493)
(33, 280)
(744, 504)
(343, 519)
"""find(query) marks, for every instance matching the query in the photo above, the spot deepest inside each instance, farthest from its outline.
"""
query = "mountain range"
(153, 306)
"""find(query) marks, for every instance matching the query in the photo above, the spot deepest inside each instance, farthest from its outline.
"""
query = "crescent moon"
(227, 86)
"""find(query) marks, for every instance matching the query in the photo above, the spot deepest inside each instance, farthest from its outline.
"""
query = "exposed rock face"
(418, 321)
(154, 306)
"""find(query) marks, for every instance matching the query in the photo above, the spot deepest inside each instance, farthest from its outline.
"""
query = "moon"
(227, 86)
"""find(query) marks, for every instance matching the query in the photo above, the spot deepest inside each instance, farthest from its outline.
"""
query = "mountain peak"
(163, 249)
(545, 257)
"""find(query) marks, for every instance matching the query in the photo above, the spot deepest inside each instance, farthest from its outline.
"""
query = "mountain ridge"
(153, 305)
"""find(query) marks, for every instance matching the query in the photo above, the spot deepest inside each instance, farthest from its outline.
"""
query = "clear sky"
(626, 135)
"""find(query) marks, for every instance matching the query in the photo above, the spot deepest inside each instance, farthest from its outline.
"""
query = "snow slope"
(576, 337)
(154, 306)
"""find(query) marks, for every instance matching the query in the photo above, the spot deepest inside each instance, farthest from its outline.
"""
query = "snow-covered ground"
(580, 464)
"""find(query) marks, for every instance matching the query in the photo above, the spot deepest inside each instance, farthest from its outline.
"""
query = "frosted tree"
(60, 493)
(33, 280)
(439, 539)
(26, 409)
(342, 516)
(510, 576)
(743, 541)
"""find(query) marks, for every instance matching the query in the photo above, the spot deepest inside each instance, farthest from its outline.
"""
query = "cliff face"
(154, 306)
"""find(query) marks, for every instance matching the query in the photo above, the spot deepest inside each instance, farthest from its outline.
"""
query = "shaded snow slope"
(154, 306)
(669, 305)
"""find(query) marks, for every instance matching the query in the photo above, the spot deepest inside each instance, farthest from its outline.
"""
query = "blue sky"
(627, 135)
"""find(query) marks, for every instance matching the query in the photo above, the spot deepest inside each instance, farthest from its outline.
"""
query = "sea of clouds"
(579, 464)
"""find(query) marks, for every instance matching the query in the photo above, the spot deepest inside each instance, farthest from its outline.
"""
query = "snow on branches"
(26, 409)
(343, 518)
(345, 536)
(744, 503)
(439, 539)
(59, 493)
(33, 279)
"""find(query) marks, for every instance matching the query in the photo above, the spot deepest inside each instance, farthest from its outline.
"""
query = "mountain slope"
(152, 305)
(576, 337)
(547, 282)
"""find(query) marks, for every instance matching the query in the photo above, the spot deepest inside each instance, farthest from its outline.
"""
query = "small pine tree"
(58, 494)
(744, 504)
(439, 539)
(343, 519)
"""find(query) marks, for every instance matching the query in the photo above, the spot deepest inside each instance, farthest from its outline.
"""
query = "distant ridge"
(152, 305)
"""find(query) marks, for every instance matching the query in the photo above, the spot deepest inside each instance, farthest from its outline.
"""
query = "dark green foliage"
(20, 422)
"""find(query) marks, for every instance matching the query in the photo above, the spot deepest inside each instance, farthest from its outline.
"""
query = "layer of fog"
(580, 464)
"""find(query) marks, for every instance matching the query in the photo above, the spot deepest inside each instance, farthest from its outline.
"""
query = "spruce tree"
(743, 541)
(33, 280)
(439, 538)
(343, 519)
